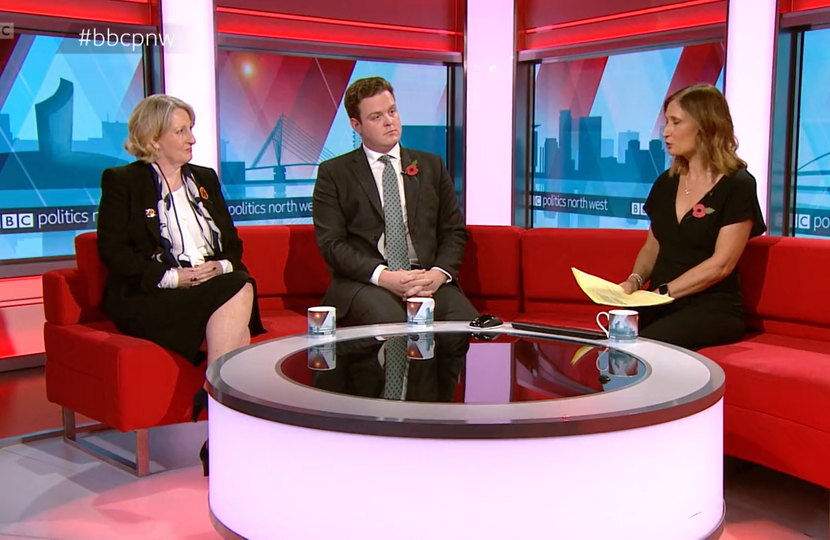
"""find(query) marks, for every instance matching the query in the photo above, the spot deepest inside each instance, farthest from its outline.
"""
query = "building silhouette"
(566, 143)
(590, 145)
(658, 155)
(624, 137)
(595, 154)
(607, 150)
(53, 116)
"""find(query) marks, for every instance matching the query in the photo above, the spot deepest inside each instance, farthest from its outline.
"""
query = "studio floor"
(49, 490)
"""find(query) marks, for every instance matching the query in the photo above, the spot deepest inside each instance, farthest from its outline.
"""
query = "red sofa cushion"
(91, 268)
(124, 382)
(780, 278)
(285, 261)
(783, 376)
(282, 322)
(548, 255)
(68, 298)
(490, 273)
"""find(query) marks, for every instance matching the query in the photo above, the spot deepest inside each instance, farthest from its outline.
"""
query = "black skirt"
(177, 319)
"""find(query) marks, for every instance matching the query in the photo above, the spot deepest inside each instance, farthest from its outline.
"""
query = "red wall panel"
(541, 13)
(788, 6)
(435, 14)
(549, 24)
(698, 64)
(143, 12)
(428, 25)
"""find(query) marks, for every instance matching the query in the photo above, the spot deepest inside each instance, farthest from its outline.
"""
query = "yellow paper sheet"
(610, 294)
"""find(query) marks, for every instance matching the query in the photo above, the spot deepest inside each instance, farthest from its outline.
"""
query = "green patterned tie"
(397, 252)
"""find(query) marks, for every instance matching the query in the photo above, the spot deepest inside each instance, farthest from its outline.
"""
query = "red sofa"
(778, 378)
(131, 384)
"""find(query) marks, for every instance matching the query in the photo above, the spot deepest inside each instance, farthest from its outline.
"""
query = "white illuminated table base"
(293, 462)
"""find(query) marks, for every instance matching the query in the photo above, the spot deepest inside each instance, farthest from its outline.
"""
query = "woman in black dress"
(174, 257)
(703, 210)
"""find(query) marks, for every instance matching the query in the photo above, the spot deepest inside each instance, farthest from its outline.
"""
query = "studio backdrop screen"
(281, 116)
(812, 178)
(598, 132)
(63, 119)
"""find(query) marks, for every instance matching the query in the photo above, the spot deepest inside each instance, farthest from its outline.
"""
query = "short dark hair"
(362, 89)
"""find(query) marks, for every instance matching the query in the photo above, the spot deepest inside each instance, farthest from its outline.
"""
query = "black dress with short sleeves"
(714, 316)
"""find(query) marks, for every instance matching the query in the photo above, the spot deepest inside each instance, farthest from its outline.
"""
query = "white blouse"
(195, 246)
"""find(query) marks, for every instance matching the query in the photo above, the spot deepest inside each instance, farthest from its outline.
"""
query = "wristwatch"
(663, 289)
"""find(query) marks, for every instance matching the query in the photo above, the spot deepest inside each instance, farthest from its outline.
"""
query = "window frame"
(786, 111)
(525, 149)
(451, 61)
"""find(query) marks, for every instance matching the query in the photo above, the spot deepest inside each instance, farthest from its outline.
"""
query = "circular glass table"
(493, 434)
(427, 367)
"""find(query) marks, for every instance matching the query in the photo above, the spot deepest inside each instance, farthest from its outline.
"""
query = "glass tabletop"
(462, 367)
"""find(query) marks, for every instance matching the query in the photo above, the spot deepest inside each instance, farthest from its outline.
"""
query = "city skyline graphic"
(598, 144)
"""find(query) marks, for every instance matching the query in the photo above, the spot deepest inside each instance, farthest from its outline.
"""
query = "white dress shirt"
(377, 167)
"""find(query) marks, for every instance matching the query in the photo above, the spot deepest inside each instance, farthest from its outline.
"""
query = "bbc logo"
(802, 221)
(638, 208)
(6, 30)
(17, 221)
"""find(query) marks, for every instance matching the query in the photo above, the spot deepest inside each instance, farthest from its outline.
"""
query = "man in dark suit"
(387, 220)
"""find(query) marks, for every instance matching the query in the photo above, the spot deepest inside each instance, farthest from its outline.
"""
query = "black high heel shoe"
(203, 455)
(199, 403)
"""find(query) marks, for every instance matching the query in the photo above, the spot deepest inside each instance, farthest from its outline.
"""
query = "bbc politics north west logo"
(29, 220)
(6, 30)
(17, 221)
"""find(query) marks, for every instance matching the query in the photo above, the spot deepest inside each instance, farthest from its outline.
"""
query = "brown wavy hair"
(362, 89)
(716, 141)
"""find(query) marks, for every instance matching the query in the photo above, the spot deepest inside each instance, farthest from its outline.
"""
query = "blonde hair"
(716, 141)
(148, 122)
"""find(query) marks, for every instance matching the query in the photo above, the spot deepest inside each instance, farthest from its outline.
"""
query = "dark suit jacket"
(349, 220)
(128, 226)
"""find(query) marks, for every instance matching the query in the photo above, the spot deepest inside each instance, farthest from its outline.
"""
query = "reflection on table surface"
(462, 367)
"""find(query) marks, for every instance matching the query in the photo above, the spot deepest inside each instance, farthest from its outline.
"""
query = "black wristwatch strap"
(663, 289)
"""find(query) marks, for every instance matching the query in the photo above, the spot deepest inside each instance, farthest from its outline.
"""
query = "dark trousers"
(376, 305)
(692, 325)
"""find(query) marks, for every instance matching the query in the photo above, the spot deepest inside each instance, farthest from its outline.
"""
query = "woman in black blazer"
(174, 256)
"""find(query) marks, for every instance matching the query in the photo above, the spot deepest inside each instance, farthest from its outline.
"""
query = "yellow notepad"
(610, 294)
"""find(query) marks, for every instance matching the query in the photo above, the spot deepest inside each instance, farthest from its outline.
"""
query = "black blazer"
(128, 226)
(349, 220)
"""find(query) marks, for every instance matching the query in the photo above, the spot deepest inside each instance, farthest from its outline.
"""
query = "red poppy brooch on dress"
(203, 193)
(700, 211)
(412, 168)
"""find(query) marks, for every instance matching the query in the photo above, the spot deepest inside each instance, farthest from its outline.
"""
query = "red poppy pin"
(700, 211)
(203, 193)
(412, 168)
